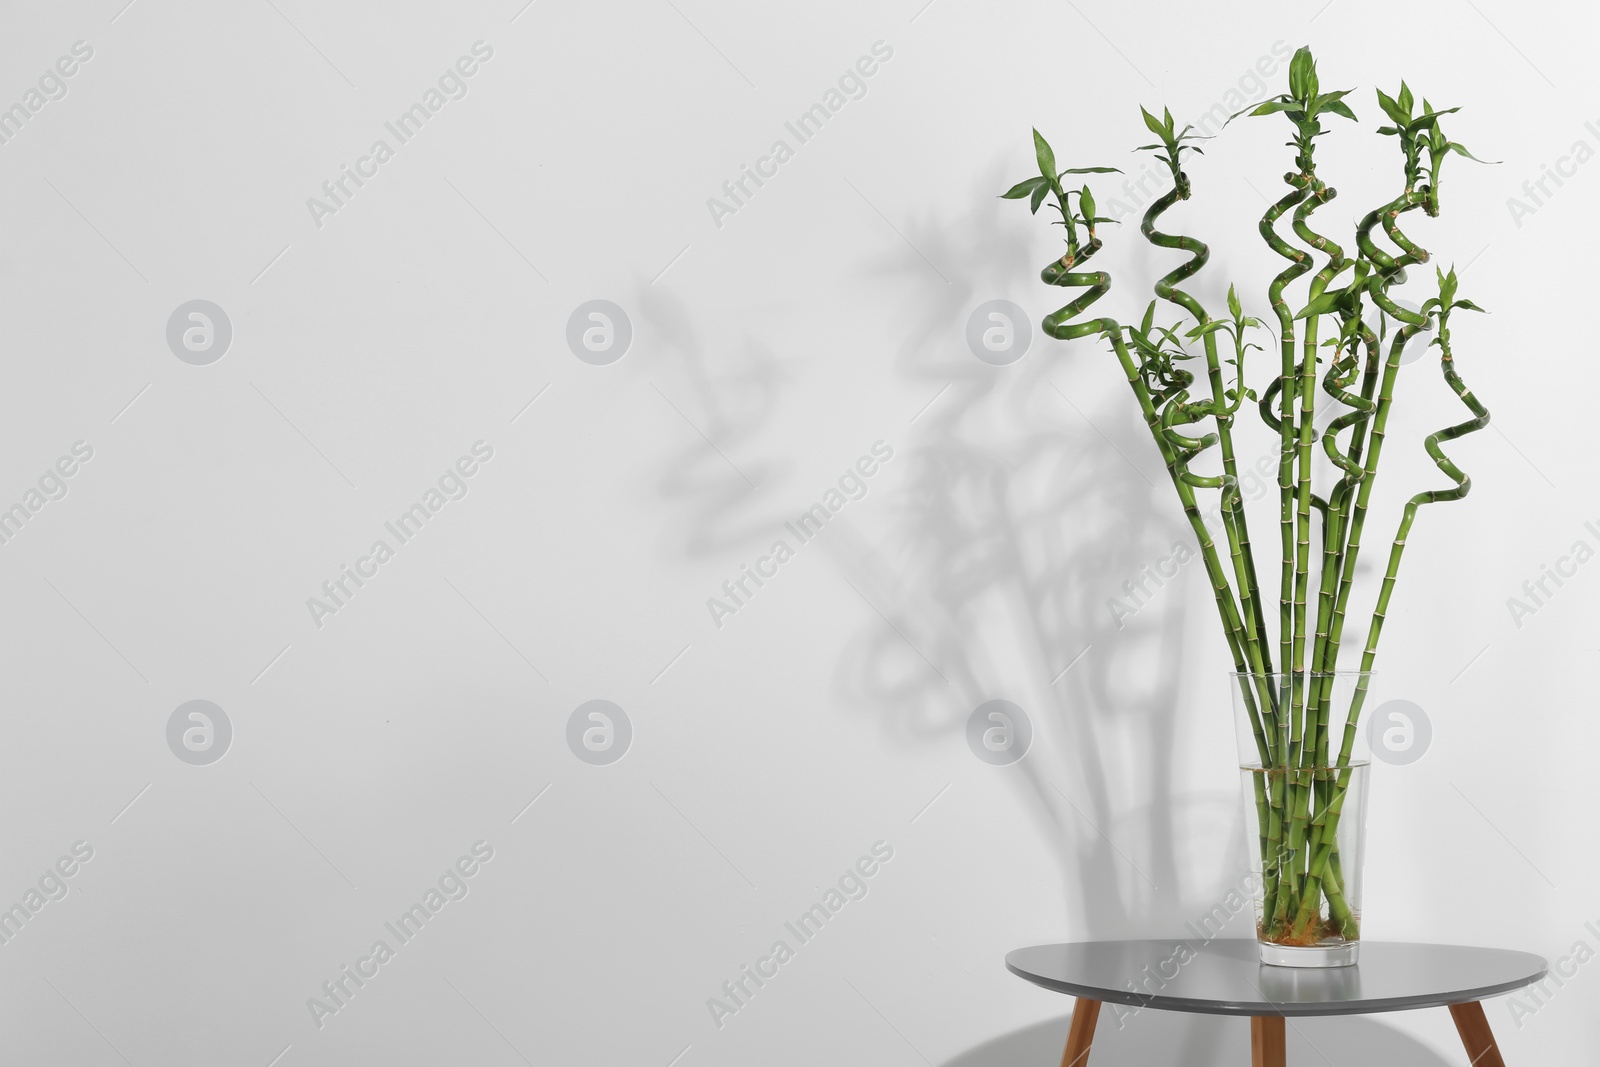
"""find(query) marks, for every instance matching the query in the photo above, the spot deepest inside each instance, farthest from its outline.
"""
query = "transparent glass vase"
(1304, 767)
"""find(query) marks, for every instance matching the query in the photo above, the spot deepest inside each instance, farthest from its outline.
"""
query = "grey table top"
(1225, 976)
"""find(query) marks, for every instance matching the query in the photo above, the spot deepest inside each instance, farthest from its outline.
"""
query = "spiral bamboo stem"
(1301, 786)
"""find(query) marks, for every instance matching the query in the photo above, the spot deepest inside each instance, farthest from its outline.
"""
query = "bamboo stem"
(1300, 788)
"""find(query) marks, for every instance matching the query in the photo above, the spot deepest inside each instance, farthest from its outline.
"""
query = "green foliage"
(1173, 142)
(1049, 182)
(1305, 101)
(1419, 133)
(1294, 727)
(1304, 104)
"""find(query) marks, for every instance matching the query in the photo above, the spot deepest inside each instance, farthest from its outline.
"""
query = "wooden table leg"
(1084, 1015)
(1473, 1027)
(1268, 1042)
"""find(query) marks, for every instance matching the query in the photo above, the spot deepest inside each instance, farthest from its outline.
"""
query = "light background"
(768, 353)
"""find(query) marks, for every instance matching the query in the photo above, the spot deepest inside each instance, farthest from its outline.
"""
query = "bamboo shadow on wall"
(1006, 548)
(714, 478)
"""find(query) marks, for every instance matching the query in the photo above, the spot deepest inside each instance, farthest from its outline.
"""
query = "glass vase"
(1304, 767)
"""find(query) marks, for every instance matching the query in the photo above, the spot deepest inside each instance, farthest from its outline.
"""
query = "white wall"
(768, 353)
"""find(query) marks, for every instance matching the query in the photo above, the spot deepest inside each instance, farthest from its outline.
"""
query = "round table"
(1226, 977)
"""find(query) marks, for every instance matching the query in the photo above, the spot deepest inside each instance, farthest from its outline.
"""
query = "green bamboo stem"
(1233, 516)
(1379, 422)
(1319, 194)
(1301, 789)
(1308, 697)
(1060, 326)
(1341, 374)
(1359, 421)
(1177, 412)
(1380, 419)
(1362, 408)
(1284, 388)
(1463, 485)
(1414, 134)
(1388, 270)
(1262, 715)
(1378, 282)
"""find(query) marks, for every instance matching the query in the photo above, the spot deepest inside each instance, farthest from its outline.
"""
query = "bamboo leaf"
(1234, 308)
(1470, 306)
(1153, 124)
(1447, 285)
(1039, 193)
(1429, 120)
(1461, 150)
(1091, 170)
(1300, 68)
(1022, 189)
(1405, 99)
(1045, 155)
(1149, 317)
(1392, 108)
(1271, 106)
(1086, 205)
(1339, 107)
(1322, 304)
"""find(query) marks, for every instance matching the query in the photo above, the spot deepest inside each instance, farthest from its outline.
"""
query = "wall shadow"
(730, 401)
(1004, 551)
